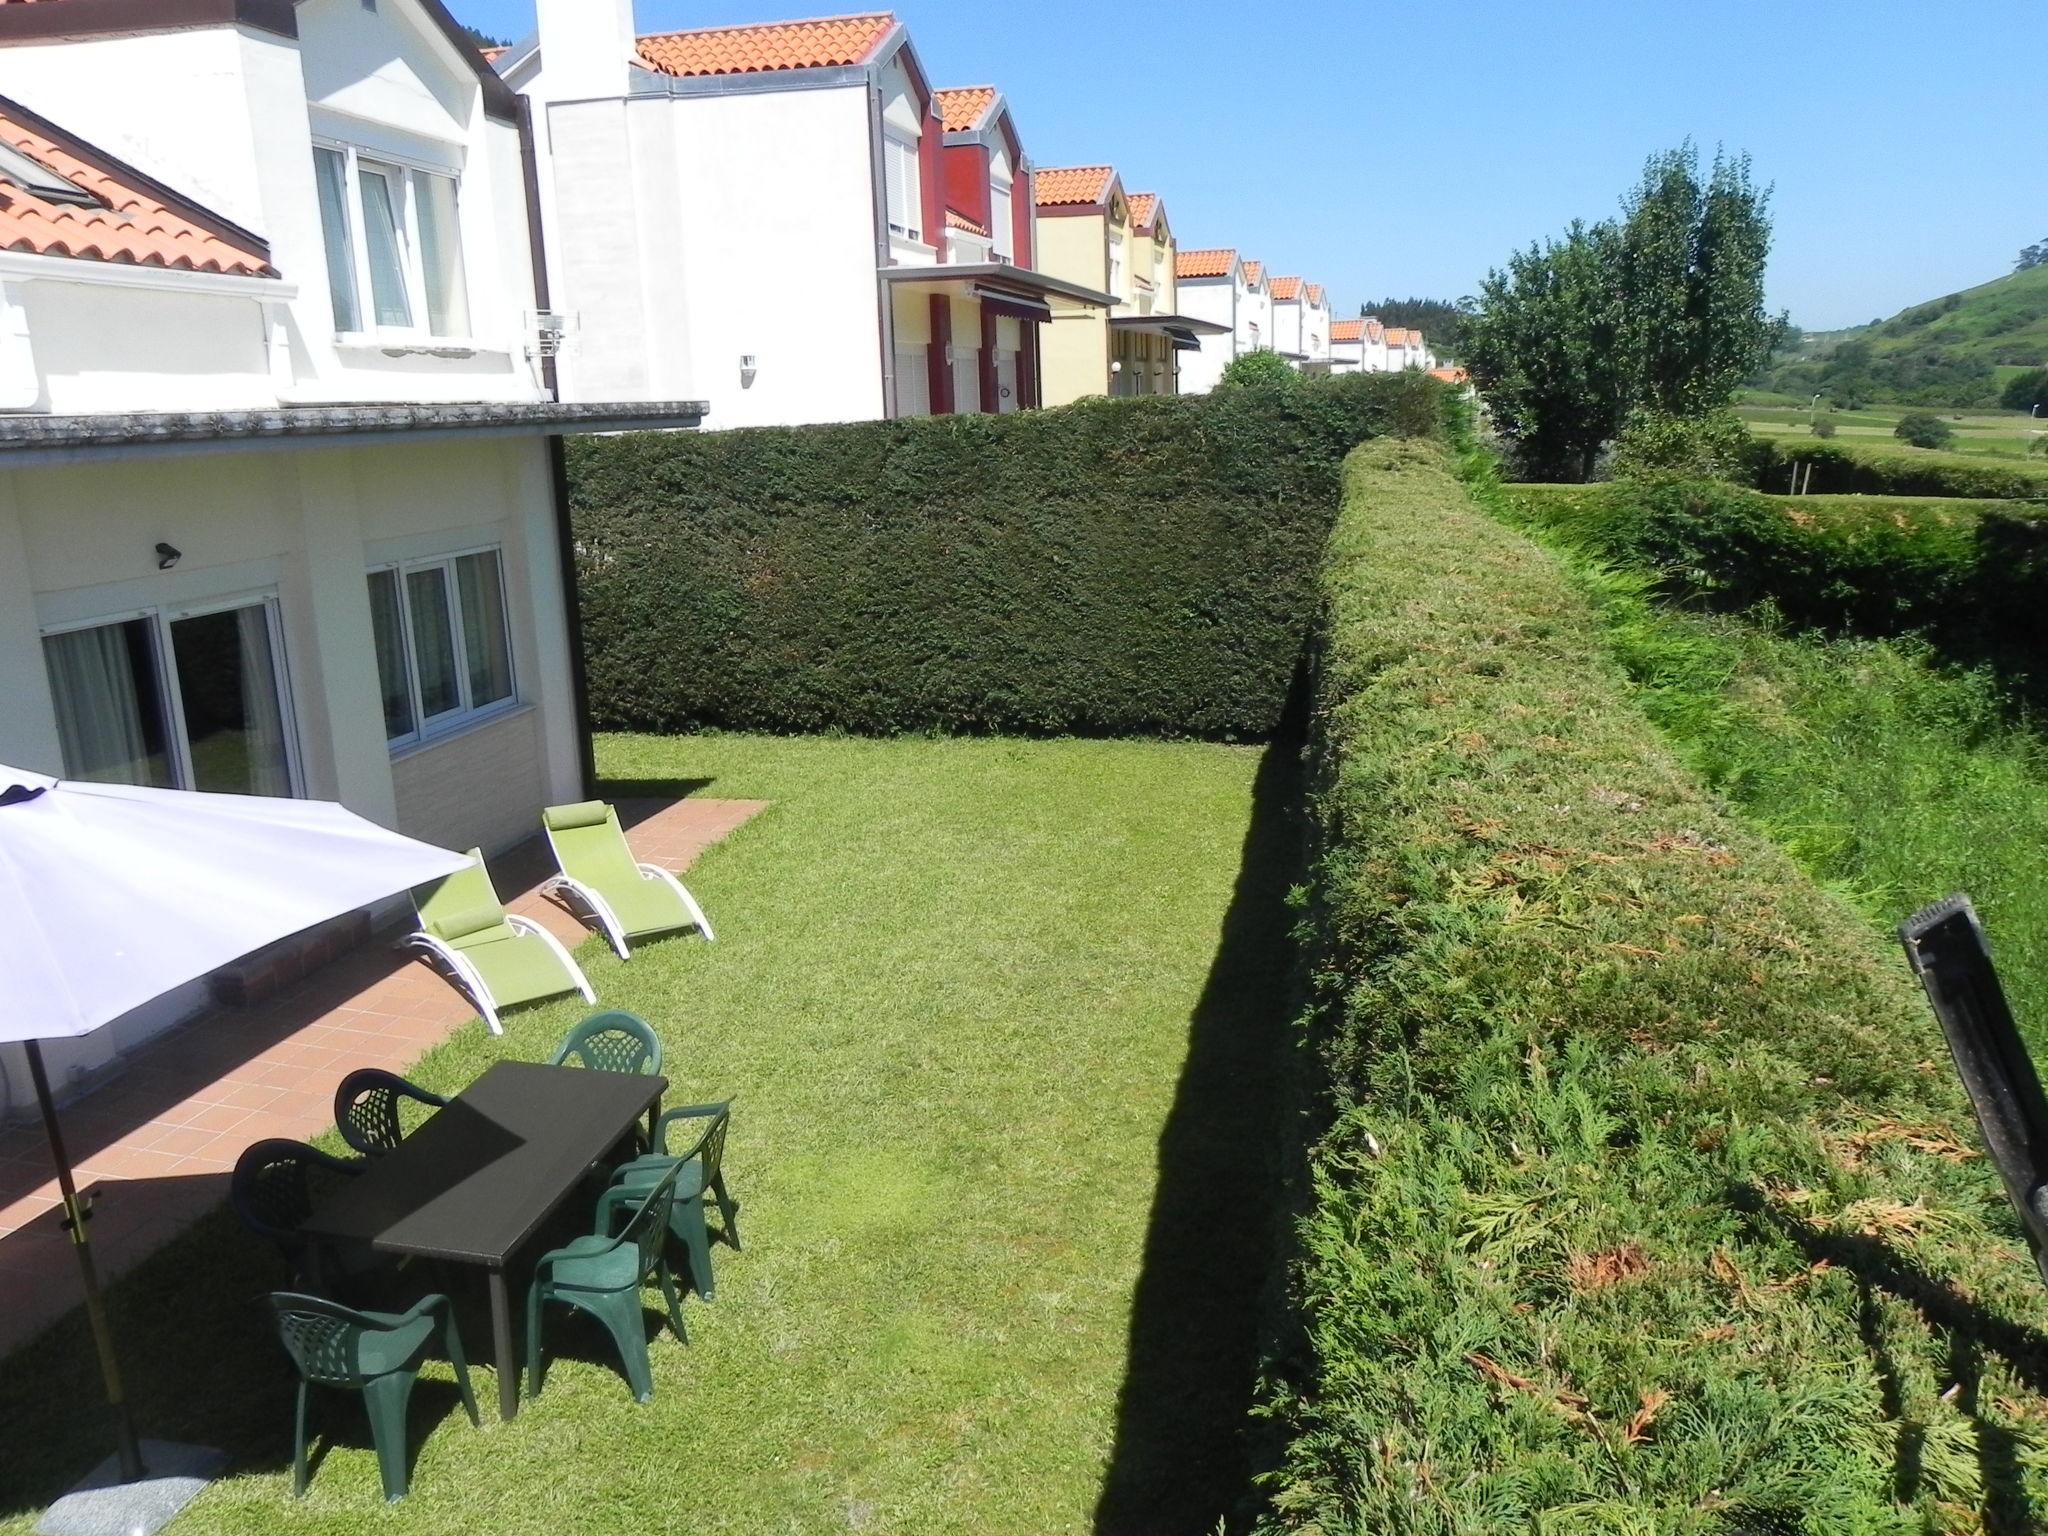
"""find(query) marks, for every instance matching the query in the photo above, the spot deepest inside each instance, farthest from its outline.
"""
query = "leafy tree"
(1660, 312)
(1254, 369)
(1923, 429)
(484, 40)
(2033, 256)
(1544, 350)
(2024, 391)
(1441, 321)
(1823, 428)
(1712, 446)
(1691, 272)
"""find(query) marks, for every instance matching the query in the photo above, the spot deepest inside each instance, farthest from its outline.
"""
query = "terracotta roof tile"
(963, 107)
(1450, 375)
(1211, 263)
(1347, 330)
(1315, 293)
(958, 220)
(1254, 270)
(1286, 289)
(133, 220)
(1070, 185)
(824, 43)
(492, 55)
(1144, 208)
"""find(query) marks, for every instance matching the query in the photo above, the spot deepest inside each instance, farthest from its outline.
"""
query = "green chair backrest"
(612, 1041)
(589, 843)
(648, 1230)
(324, 1338)
(460, 904)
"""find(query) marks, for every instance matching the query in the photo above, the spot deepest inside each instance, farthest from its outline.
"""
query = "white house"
(1213, 288)
(760, 214)
(280, 490)
(1347, 346)
(1291, 325)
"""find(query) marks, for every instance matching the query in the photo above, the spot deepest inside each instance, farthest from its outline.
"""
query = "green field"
(1004, 1020)
(1979, 434)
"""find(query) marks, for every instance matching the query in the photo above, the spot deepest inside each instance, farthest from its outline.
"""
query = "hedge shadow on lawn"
(1180, 1460)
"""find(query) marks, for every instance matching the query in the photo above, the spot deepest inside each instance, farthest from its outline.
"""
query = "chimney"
(586, 48)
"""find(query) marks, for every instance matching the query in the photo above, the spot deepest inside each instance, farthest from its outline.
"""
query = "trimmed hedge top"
(1650, 1203)
(1116, 567)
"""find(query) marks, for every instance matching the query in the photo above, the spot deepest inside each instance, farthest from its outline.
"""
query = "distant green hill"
(1952, 351)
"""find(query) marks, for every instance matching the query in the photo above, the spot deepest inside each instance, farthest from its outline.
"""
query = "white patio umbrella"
(112, 895)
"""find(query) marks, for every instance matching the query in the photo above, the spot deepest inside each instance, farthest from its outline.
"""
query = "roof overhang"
(1184, 331)
(960, 277)
(33, 439)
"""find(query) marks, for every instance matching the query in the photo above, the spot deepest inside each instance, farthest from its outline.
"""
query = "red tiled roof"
(1144, 207)
(1374, 331)
(1211, 263)
(1347, 330)
(1070, 185)
(491, 55)
(1254, 270)
(1286, 289)
(133, 220)
(962, 107)
(1397, 337)
(1315, 293)
(824, 43)
(957, 220)
(1450, 375)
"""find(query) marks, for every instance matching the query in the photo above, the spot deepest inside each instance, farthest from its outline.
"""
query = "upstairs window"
(905, 191)
(1116, 267)
(1001, 221)
(394, 245)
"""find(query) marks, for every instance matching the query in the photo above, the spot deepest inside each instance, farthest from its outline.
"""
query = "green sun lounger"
(602, 881)
(496, 958)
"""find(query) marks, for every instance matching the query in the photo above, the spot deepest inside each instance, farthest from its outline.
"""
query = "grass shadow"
(1180, 1463)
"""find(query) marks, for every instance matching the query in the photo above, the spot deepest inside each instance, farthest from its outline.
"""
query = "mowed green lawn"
(962, 989)
(1987, 434)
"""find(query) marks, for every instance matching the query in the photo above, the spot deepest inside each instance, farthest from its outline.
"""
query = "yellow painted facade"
(1097, 246)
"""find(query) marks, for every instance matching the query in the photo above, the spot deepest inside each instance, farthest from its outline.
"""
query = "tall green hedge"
(1648, 1202)
(1971, 574)
(1115, 567)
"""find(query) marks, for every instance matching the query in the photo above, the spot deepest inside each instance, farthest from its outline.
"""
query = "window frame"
(170, 697)
(466, 714)
(411, 247)
(911, 179)
(1002, 193)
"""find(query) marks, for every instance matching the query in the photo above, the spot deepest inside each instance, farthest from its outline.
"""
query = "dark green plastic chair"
(700, 1175)
(274, 1187)
(366, 1109)
(378, 1354)
(612, 1041)
(602, 1275)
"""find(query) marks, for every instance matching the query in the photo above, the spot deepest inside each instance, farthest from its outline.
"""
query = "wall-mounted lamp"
(747, 370)
(168, 555)
(1116, 367)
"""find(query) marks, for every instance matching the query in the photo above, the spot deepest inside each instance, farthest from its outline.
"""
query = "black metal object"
(1951, 956)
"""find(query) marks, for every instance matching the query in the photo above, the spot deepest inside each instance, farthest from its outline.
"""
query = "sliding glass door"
(184, 700)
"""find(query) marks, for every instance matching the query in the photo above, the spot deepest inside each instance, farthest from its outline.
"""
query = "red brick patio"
(159, 1140)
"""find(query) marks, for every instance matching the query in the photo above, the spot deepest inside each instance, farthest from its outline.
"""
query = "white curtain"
(99, 713)
(262, 706)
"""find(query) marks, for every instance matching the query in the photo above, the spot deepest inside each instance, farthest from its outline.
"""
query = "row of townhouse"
(1251, 311)
(792, 219)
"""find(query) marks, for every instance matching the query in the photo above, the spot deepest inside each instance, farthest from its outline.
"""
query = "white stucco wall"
(1204, 299)
(699, 230)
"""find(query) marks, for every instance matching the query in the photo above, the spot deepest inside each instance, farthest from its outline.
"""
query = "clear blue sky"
(1388, 149)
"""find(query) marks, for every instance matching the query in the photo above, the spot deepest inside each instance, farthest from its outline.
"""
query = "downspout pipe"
(558, 469)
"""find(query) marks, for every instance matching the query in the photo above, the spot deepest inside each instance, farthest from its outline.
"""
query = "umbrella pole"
(81, 1242)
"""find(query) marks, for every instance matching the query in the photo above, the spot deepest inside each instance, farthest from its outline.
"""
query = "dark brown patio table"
(475, 1182)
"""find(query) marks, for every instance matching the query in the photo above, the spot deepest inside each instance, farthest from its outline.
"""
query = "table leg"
(501, 1346)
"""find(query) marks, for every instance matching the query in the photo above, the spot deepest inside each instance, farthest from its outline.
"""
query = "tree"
(1691, 274)
(2033, 256)
(484, 41)
(1923, 429)
(1658, 313)
(1254, 369)
(1543, 348)
(2025, 391)
(1441, 321)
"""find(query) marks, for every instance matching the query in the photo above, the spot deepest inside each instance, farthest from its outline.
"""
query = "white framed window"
(966, 379)
(1002, 222)
(177, 698)
(1116, 266)
(444, 646)
(393, 237)
(902, 185)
